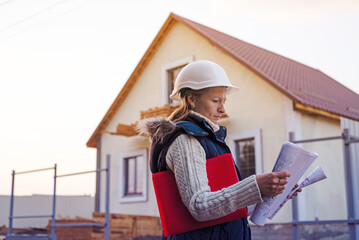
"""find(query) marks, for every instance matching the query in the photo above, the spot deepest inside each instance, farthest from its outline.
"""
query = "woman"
(191, 135)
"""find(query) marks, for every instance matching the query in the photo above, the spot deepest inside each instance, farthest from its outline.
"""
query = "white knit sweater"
(187, 159)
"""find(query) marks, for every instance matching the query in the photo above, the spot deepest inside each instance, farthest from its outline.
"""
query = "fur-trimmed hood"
(155, 128)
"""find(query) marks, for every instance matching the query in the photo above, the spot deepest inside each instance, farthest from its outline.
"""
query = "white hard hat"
(201, 74)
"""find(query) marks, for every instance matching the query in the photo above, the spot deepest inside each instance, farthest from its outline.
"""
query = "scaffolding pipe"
(351, 221)
(79, 173)
(316, 139)
(107, 211)
(53, 236)
(106, 224)
(349, 184)
(12, 197)
(36, 170)
(11, 203)
(100, 224)
(355, 221)
(295, 215)
(36, 216)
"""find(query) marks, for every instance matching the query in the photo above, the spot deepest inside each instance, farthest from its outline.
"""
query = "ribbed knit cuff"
(247, 191)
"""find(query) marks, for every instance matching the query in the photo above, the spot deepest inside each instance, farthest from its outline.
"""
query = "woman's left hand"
(296, 192)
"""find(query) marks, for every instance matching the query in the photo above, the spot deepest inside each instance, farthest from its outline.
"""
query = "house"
(276, 96)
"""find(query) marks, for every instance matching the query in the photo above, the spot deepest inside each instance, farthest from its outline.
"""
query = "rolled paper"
(315, 176)
(291, 158)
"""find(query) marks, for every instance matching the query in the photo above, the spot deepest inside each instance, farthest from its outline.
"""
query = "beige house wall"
(257, 106)
(330, 193)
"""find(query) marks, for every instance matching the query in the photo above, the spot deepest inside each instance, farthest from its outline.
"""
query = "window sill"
(133, 199)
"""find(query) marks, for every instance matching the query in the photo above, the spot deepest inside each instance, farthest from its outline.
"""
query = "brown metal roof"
(301, 83)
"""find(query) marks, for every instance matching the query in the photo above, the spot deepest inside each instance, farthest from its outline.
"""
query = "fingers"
(280, 185)
(281, 179)
(273, 183)
(283, 174)
(296, 193)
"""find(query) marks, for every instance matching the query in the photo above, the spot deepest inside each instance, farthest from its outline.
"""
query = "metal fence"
(52, 236)
(351, 221)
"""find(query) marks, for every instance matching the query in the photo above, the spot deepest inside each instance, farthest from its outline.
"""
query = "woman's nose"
(221, 108)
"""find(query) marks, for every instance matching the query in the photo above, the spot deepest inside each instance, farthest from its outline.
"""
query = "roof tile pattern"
(301, 83)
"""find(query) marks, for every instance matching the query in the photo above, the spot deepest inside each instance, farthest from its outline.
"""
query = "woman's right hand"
(273, 183)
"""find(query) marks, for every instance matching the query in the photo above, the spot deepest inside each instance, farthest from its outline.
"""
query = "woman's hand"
(296, 192)
(271, 184)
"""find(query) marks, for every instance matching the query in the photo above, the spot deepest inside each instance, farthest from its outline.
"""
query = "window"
(133, 176)
(170, 72)
(245, 155)
(246, 147)
(172, 75)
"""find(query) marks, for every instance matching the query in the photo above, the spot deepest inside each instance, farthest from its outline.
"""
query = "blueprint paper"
(291, 158)
(315, 176)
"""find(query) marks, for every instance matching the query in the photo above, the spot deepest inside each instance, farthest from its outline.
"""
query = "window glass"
(172, 75)
(133, 173)
(245, 152)
(133, 176)
(130, 175)
(139, 174)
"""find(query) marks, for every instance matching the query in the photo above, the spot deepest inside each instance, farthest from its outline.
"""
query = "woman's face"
(211, 103)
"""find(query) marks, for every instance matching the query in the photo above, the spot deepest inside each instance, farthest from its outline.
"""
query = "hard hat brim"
(176, 97)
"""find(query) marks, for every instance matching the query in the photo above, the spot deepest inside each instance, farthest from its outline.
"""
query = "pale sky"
(62, 64)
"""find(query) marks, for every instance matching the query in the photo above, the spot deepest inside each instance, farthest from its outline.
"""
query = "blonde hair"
(182, 111)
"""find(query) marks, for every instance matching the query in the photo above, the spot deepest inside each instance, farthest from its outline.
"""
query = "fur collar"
(155, 127)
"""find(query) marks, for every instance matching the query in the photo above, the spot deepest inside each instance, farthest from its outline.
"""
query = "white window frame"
(165, 80)
(257, 135)
(122, 181)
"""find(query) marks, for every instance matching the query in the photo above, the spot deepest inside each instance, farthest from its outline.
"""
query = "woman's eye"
(215, 101)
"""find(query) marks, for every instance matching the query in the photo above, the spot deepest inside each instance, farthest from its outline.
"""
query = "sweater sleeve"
(187, 159)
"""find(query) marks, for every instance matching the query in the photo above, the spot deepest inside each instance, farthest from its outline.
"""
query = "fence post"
(294, 203)
(11, 203)
(349, 184)
(53, 236)
(107, 214)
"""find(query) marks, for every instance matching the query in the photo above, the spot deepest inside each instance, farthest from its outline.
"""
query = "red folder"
(175, 216)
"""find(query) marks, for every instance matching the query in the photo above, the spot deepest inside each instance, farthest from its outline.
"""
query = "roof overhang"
(315, 111)
(131, 130)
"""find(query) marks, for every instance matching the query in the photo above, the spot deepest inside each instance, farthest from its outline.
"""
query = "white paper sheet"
(291, 158)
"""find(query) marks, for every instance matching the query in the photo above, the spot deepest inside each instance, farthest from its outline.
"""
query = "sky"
(62, 64)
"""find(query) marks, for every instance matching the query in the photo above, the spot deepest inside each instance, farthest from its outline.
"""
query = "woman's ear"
(191, 100)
